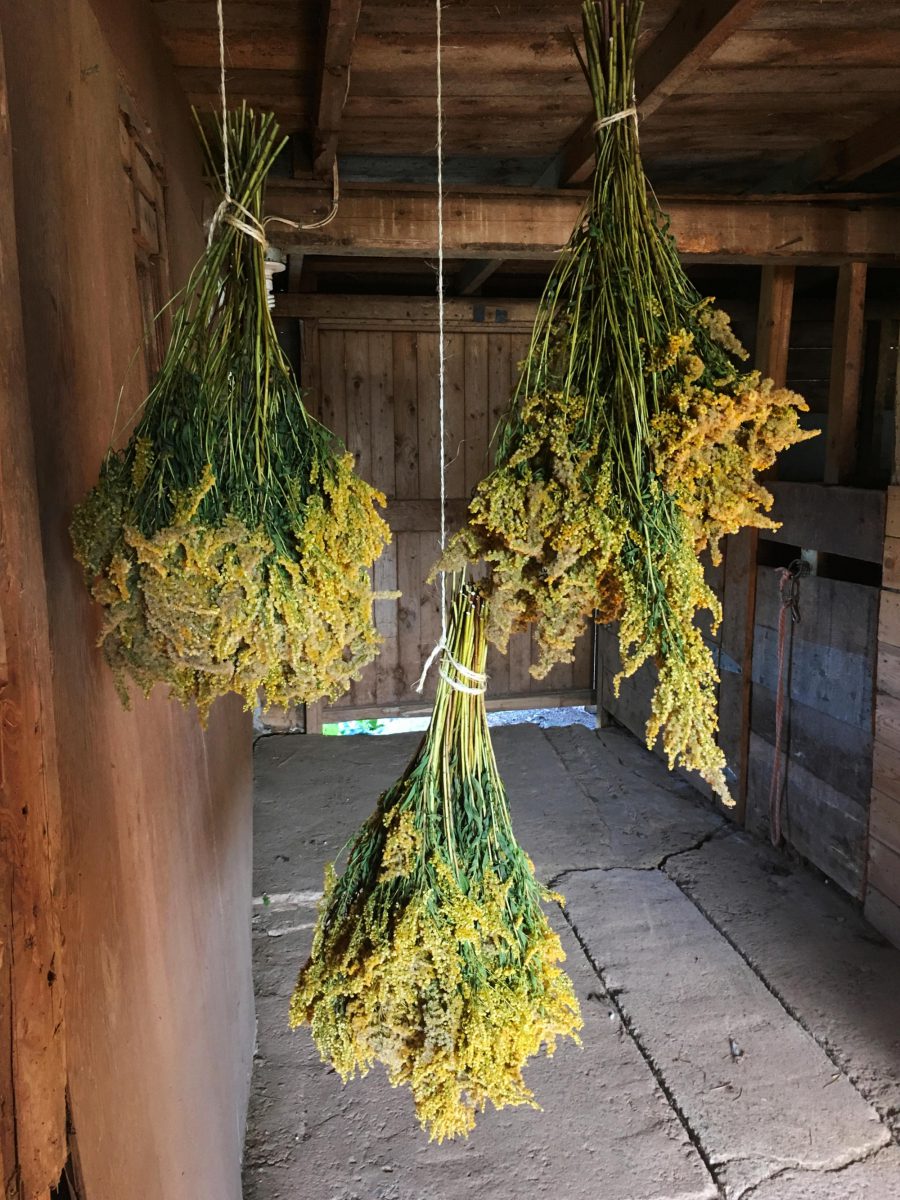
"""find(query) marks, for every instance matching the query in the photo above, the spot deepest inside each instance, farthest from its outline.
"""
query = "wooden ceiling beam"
(521, 224)
(692, 36)
(334, 81)
(839, 163)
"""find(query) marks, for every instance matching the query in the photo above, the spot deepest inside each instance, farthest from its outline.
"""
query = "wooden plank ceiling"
(765, 97)
(737, 95)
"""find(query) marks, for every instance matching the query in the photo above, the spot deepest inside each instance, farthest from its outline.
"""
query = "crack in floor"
(886, 1115)
(612, 996)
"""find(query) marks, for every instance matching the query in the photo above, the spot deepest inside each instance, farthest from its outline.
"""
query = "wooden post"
(773, 335)
(847, 354)
(32, 1066)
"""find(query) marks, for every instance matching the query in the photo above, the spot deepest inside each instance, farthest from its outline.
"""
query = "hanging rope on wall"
(789, 594)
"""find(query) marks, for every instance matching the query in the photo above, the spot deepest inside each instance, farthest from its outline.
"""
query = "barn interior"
(740, 1032)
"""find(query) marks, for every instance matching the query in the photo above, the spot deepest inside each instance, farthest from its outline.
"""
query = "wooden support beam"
(334, 83)
(470, 278)
(516, 223)
(848, 348)
(776, 301)
(692, 36)
(837, 164)
(773, 333)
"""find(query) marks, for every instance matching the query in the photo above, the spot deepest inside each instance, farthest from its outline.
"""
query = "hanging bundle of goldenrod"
(230, 541)
(432, 954)
(633, 440)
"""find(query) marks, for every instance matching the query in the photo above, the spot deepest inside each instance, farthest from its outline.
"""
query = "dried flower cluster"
(230, 542)
(633, 439)
(432, 954)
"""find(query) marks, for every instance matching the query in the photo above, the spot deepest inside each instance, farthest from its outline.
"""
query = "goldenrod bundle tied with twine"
(633, 440)
(432, 954)
(230, 541)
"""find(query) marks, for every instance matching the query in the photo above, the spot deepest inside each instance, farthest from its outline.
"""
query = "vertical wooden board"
(381, 374)
(519, 658)
(498, 672)
(499, 373)
(583, 666)
(884, 821)
(409, 626)
(310, 379)
(892, 514)
(455, 414)
(406, 405)
(428, 416)
(884, 869)
(846, 373)
(387, 622)
(332, 403)
(357, 389)
(429, 606)
(773, 332)
(477, 433)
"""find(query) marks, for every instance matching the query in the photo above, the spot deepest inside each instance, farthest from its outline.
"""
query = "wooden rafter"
(334, 83)
(470, 278)
(517, 224)
(692, 36)
(839, 163)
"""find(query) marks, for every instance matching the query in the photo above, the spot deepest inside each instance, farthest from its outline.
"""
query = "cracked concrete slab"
(876, 1178)
(605, 1129)
(814, 949)
(756, 1090)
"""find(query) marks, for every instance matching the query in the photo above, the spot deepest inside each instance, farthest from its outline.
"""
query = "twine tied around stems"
(231, 211)
(605, 122)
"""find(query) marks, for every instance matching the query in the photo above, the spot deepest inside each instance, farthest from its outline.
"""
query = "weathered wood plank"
(839, 752)
(32, 1069)
(518, 224)
(889, 620)
(892, 513)
(886, 769)
(333, 397)
(888, 668)
(406, 402)
(884, 869)
(834, 520)
(824, 825)
(476, 402)
(773, 331)
(428, 416)
(334, 80)
(381, 390)
(409, 571)
(846, 373)
(357, 390)
(887, 720)
(420, 311)
(884, 821)
(455, 414)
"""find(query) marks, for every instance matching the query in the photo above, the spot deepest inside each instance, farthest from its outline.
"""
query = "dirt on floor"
(742, 1021)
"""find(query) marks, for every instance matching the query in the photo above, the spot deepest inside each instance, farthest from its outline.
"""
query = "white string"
(440, 288)
(441, 646)
(220, 12)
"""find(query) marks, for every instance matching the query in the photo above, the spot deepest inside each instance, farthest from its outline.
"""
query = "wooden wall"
(371, 364)
(155, 832)
(883, 894)
(830, 663)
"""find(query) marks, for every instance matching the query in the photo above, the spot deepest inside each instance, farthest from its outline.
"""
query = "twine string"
(605, 122)
(241, 218)
(459, 672)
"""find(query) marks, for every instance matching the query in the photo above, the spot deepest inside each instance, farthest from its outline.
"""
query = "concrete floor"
(742, 1022)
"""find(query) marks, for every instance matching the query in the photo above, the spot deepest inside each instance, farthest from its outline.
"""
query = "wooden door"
(371, 365)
